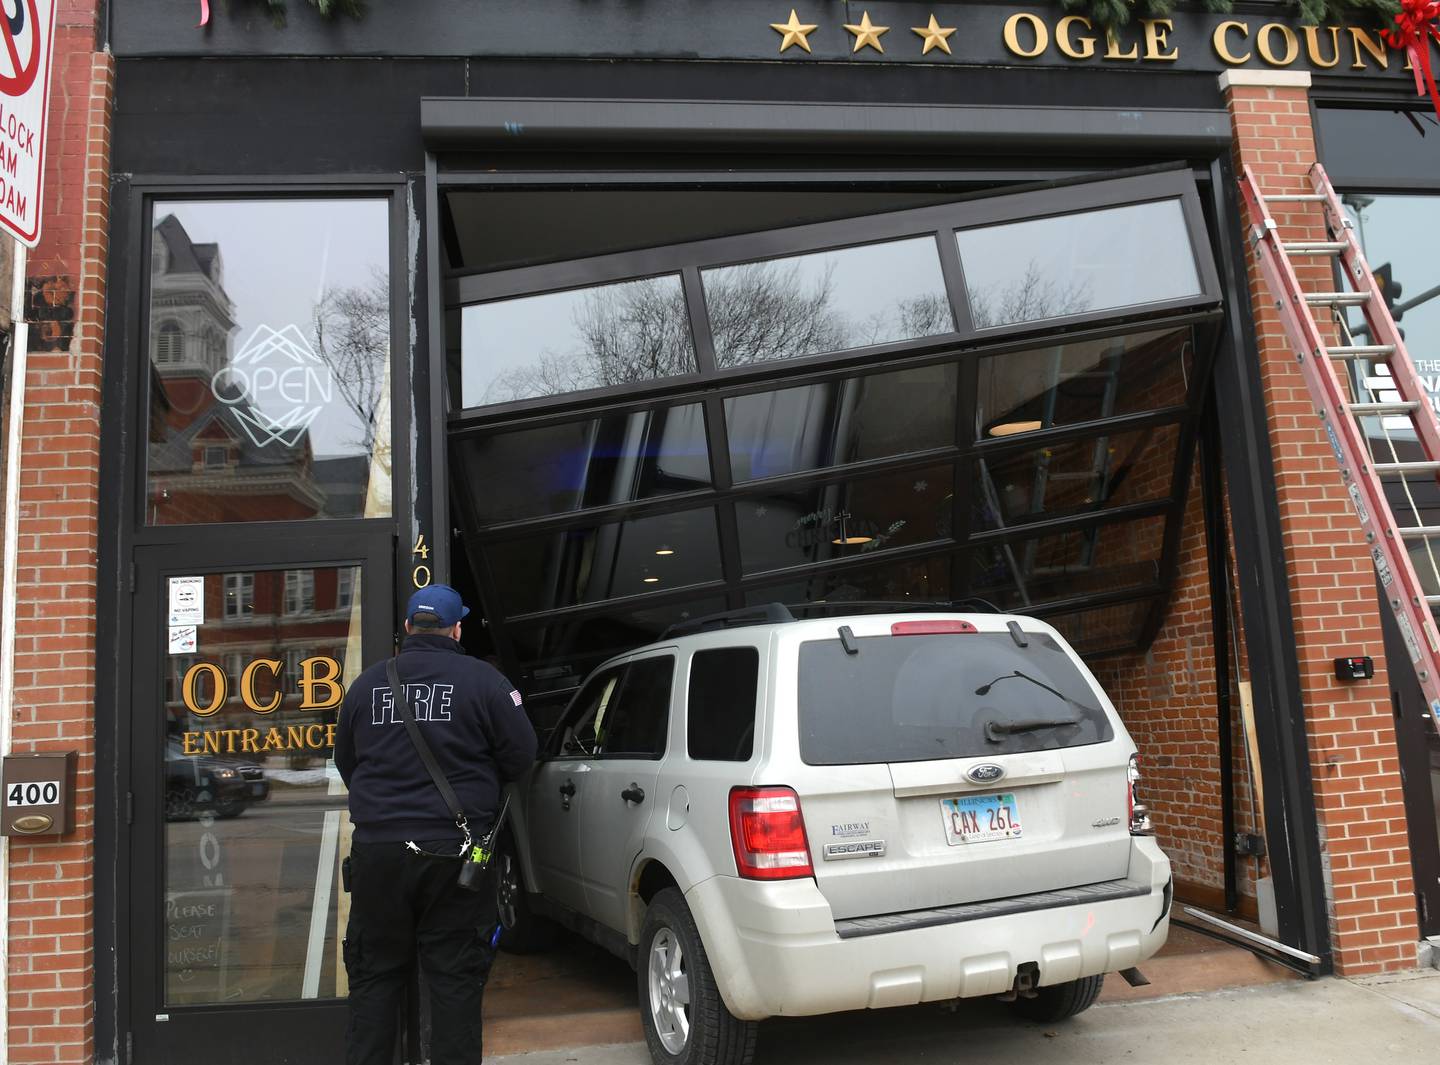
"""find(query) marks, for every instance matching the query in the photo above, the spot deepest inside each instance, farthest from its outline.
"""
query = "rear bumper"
(777, 951)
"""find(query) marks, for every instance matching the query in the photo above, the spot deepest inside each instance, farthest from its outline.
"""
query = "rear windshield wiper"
(995, 731)
(984, 689)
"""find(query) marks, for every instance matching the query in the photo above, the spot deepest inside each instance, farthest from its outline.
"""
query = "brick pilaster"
(1332, 580)
(51, 932)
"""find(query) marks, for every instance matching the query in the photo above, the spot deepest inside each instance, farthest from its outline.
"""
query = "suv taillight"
(768, 834)
(1139, 813)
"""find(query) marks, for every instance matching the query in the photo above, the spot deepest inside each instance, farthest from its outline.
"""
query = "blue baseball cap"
(437, 604)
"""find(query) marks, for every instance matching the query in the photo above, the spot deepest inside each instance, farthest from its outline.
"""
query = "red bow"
(1415, 26)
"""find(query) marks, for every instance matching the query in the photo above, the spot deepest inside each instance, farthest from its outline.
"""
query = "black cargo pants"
(404, 905)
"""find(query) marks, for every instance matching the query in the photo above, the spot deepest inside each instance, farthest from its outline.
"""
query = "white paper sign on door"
(187, 601)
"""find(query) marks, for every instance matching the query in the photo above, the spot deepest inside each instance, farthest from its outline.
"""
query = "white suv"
(770, 816)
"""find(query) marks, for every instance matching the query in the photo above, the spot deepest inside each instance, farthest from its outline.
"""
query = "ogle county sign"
(28, 31)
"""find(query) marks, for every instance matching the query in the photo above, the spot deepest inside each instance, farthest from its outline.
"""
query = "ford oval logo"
(985, 773)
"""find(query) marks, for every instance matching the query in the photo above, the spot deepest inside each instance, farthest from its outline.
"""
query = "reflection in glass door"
(238, 910)
(254, 810)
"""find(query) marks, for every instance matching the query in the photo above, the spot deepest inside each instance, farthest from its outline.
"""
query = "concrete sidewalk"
(1394, 1018)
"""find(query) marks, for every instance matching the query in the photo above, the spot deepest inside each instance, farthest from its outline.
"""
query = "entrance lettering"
(258, 741)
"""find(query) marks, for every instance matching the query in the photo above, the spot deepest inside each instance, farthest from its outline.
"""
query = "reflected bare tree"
(765, 311)
(1032, 298)
(352, 338)
(925, 315)
(635, 332)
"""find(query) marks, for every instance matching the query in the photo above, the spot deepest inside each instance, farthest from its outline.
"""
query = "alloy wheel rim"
(669, 991)
(507, 892)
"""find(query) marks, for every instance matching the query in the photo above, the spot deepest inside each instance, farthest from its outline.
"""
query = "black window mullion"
(966, 398)
(718, 437)
(908, 553)
(600, 608)
(700, 335)
(1001, 447)
(1093, 519)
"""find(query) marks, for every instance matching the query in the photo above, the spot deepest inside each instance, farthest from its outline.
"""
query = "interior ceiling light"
(664, 549)
(652, 580)
(845, 539)
(1012, 428)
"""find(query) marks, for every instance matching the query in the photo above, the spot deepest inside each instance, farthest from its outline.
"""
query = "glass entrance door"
(240, 822)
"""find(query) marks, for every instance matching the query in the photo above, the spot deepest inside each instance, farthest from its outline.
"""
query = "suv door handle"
(567, 792)
(634, 793)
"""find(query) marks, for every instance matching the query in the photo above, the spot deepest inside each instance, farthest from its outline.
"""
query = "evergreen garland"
(1111, 14)
(328, 8)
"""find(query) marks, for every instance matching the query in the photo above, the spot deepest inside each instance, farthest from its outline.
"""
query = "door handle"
(567, 792)
(634, 793)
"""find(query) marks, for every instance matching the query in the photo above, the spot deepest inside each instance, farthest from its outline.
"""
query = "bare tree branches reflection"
(759, 312)
(352, 338)
(1032, 298)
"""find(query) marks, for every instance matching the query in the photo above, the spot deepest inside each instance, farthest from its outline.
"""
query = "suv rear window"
(917, 698)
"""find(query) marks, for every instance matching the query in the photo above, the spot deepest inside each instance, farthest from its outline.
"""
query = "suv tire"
(1059, 1001)
(685, 1020)
(522, 931)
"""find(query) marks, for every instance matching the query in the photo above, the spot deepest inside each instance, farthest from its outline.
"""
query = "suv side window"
(583, 724)
(720, 723)
(640, 717)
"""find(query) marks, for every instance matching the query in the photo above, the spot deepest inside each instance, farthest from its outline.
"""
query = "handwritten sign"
(197, 934)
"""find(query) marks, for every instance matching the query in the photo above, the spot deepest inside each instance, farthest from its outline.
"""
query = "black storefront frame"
(123, 481)
(1247, 461)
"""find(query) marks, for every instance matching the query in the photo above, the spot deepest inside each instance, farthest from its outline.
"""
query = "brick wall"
(1332, 581)
(1167, 697)
(51, 959)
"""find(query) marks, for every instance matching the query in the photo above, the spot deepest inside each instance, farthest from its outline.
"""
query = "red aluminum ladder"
(1343, 397)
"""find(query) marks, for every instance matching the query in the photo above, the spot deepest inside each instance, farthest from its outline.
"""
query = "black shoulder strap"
(422, 748)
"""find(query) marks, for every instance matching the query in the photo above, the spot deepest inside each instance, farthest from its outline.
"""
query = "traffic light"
(1390, 289)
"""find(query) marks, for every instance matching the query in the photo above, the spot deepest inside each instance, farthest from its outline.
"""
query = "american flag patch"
(515, 698)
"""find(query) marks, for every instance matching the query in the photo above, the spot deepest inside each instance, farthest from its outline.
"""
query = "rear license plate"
(979, 818)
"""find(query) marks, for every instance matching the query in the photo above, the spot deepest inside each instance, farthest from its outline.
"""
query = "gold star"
(865, 34)
(934, 36)
(794, 32)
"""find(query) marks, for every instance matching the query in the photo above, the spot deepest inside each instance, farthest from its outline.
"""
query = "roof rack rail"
(778, 613)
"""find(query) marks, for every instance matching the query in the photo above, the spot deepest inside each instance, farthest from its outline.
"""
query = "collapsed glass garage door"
(993, 398)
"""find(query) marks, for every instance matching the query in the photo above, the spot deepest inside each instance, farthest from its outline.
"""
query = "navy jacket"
(473, 720)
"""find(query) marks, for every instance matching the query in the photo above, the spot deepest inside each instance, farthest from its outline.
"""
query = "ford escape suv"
(770, 816)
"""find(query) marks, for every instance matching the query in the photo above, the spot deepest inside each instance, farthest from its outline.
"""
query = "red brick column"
(51, 970)
(1332, 580)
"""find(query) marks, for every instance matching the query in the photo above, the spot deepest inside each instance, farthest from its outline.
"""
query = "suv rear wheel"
(685, 1020)
(1059, 1001)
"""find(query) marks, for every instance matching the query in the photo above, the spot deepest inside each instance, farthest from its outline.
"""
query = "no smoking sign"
(27, 38)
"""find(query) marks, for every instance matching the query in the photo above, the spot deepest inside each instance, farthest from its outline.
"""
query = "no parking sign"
(27, 40)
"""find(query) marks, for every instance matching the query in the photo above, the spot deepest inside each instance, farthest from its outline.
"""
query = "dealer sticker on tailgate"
(978, 818)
